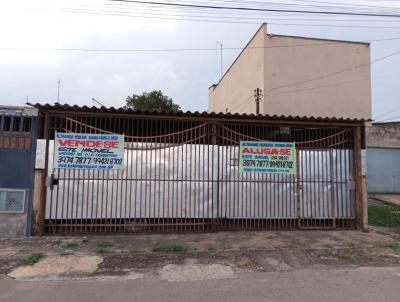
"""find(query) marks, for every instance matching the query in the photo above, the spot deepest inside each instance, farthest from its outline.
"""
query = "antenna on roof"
(97, 102)
(221, 46)
(58, 90)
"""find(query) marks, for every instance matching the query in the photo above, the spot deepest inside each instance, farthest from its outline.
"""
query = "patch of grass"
(104, 248)
(387, 216)
(169, 248)
(31, 260)
(211, 248)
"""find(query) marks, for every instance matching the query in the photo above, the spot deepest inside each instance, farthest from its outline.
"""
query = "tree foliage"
(152, 101)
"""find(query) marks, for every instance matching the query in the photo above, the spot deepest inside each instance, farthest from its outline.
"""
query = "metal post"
(58, 90)
(34, 130)
(42, 199)
(332, 191)
(299, 187)
(215, 179)
(221, 58)
(258, 96)
(358, 177)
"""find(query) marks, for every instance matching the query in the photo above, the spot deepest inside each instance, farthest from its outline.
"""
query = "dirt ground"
(122, 255)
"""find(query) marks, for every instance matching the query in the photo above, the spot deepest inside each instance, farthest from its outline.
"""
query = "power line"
(245, 102)
(268, 5)
(333, 84)
(180, 49)
(351, 5)
(219, 12)
(160, 50)
(258, 4)
(239, 106)
(190, 18)
(180, 17)
(337, 72)
(371, 14)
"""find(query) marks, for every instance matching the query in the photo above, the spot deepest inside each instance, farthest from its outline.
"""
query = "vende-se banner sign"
(267, 157)
(88, 151)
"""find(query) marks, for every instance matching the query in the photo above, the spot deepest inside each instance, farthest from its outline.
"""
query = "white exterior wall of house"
(298, 76)
(235, 91)
(309, 80)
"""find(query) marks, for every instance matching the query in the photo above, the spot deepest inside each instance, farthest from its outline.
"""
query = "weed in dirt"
(291, 246)
(57, 243)
(133, 250)
(72, 245)
(65, 253)
(387, 216)
(104, 248)
(327, 246)
(354, 245)
(394, 245)
(31, 260)
(353, 256)
(211, 248)
(169, 248)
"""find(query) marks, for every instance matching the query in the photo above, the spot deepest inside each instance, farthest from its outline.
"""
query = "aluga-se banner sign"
(267, 157)
(88, 151)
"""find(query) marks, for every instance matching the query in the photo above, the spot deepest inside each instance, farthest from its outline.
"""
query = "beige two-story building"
(297, 76)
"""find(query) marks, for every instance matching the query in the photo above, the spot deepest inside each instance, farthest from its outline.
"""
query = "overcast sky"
(35, 29)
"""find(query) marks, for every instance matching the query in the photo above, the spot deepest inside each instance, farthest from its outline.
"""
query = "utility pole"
(221, 58)
(58, 90)
(257, 95)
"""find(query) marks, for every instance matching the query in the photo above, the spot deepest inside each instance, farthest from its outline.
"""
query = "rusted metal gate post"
(358, 177)
(215, 180)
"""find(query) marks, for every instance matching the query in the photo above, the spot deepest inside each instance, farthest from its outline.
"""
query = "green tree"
(152, 101)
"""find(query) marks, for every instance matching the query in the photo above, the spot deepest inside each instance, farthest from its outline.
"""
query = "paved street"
(362, 284)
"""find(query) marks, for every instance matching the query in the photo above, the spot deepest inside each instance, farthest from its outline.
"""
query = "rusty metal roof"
(220, 115)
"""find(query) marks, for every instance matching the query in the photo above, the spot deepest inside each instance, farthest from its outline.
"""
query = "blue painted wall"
(383, 170)
(17, 170)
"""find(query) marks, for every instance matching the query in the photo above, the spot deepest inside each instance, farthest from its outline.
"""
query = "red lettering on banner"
(111, 144)
(64, 143)
(78, 143)
(267, 151)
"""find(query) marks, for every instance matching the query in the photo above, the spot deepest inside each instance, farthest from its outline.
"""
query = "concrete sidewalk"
(200, 256)
(311, 285)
